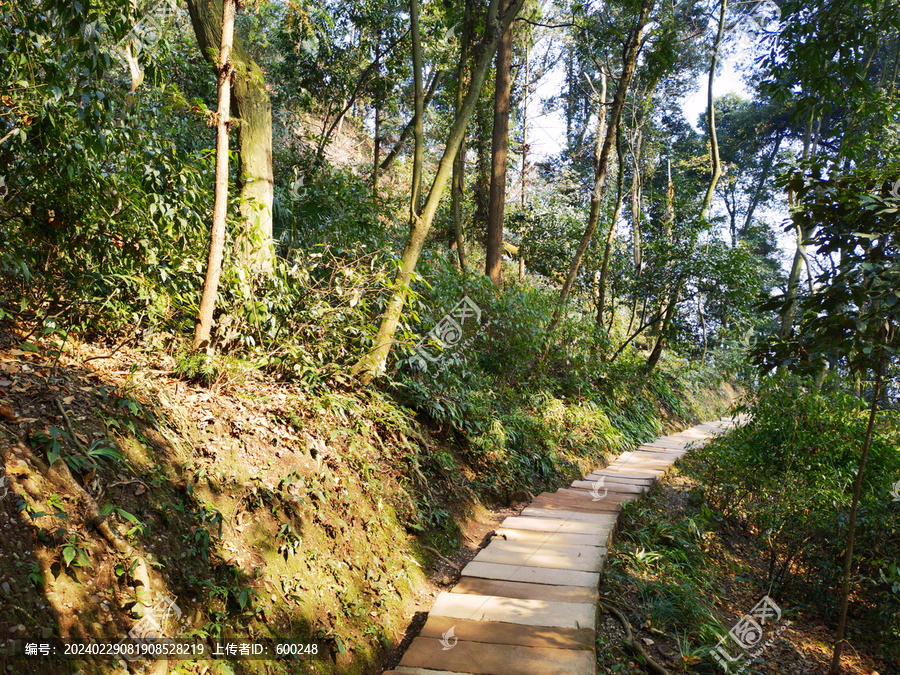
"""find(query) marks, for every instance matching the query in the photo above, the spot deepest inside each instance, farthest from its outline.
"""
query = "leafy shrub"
(788, 476)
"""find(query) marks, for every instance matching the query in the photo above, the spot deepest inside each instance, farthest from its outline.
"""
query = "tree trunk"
(252, 107)
(224, 68)
(611, 232)
(373, 363)
(379, 103)
(655, 355)
(630, 60)
(764, 176)
(418, 114)
(787, 319)
(793, 285)
(499, 147)
(711, 117)
(525, 93)
(458, 182)
(636, 198)
(851, 533)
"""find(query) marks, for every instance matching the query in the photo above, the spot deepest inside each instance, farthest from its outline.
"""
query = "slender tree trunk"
(851, 532)
(796, 267)
(711, 117)
(525, 95)
(376, 154)
(374, 362)
(481, 188)
(787, 318)
(636, 199)
(655, 355)
(764, 176)
(499, 147)
(250, 100)
(225, 69)
(611, 232)
(628, 66)
(458, 182)
(418, 115)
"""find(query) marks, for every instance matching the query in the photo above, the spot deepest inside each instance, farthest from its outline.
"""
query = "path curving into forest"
(527, 603)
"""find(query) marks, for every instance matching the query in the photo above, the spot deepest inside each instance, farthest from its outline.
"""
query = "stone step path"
(527, 603)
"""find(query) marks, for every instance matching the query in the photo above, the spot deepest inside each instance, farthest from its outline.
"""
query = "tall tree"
(224, 70)
(499, 149)
(632, 47)
(418, 114)
(373, 363)
(458, 182)
(251, 105)
(668, 312)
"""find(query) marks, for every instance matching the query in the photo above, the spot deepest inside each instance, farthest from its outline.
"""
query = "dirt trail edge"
(527, 603)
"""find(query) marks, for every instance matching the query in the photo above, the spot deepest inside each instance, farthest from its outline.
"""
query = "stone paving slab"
(608, 519)
(525, 591)
(555, 524)
(645, 478)
(553, 537)
(561, 505)
(636, 468)
(406, 670)
(671, 443)
(527, 603)
(661, 451)
(516, 610)
(531, 575)
(637, 462)
(609, 504)
(604, 492)
(497, 632)
(657, 454)
(479, 658)
(617, 486)
(540, 554)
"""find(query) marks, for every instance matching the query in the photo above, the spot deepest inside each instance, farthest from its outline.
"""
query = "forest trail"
(527, 603)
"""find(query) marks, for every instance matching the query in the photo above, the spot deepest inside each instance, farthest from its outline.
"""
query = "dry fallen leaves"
(7, 412)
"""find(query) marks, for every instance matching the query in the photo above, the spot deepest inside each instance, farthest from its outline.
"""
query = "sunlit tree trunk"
(499, 148)
(252, 107)
(418, 113)
(224, 68)
(374, 362)
(611, 232)
(458, 181)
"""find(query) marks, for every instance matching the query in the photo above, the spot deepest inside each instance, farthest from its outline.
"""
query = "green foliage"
(662, 557)
(787, 475)
(852, 318)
